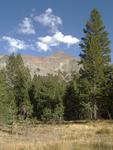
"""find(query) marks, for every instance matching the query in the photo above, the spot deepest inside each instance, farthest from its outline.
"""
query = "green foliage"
(94, 57)
(53, 116)
(47, 114)
(18, 82)
(106, 101)
(6, 107)
(72, 103)
(47, 97)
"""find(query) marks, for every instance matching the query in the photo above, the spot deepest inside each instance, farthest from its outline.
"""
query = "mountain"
(51, 64)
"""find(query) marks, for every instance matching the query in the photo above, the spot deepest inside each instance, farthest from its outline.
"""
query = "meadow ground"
(83, 135)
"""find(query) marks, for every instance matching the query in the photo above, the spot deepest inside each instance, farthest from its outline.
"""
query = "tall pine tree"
(94, 57)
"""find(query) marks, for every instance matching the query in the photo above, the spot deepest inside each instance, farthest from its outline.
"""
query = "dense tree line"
(88, 95)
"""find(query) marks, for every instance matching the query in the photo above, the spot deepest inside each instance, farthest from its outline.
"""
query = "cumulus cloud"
(15, 44)
(42, 46)
(45, 43)
(48, 19)
(66, 39)
(26, 27)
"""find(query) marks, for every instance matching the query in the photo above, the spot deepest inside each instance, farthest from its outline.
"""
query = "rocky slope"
(51, 64)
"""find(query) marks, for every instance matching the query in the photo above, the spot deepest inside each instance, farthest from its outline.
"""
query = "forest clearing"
(56, 75)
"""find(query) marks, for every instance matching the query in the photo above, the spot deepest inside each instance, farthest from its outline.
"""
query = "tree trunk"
(95, 111)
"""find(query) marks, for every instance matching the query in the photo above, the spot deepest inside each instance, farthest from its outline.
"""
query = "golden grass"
(73, 136)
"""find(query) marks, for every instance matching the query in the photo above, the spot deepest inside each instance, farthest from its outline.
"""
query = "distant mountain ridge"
(51, 64)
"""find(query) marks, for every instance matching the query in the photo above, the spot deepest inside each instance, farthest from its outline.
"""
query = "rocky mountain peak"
(50, 64)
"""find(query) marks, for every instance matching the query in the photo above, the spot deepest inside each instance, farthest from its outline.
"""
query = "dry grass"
(74, 136)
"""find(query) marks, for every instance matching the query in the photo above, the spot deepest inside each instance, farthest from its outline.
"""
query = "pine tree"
(47, 97)
(94, 57)
(106, 103)
(18, 83)
(72, 103)
(6, 106)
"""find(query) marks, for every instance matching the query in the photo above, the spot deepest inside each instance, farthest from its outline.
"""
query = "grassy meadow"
(67, 136)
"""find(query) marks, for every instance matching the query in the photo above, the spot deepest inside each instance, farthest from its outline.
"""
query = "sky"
(43, 27)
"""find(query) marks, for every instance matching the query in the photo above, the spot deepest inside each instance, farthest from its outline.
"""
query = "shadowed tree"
(72, 106)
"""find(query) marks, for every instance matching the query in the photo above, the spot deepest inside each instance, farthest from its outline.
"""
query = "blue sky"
(42, 27)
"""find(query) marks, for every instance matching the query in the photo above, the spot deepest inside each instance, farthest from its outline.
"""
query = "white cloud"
(42, 46)
(48, 19)
(26, 27)
(45, 43)
(15, 44)
(66, 39)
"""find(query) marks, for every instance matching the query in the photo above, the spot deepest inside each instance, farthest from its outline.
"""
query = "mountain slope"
(44, 65)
